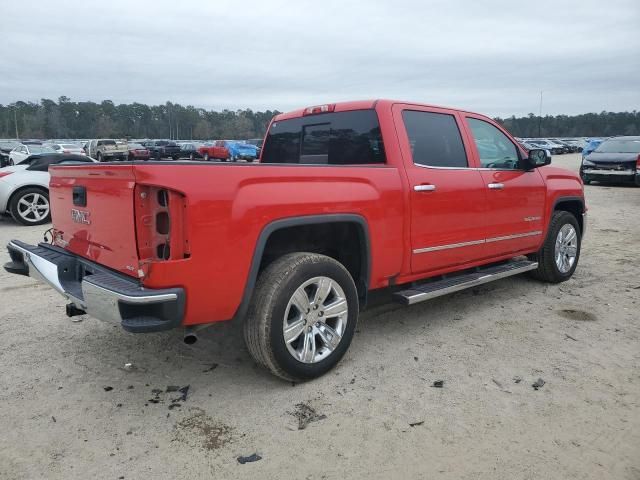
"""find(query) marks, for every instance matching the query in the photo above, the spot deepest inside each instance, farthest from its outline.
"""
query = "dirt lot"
(72, 409)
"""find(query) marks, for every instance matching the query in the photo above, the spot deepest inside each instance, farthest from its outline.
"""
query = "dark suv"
(162, 149)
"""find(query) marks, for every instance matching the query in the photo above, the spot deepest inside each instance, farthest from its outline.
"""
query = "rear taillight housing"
(160, 224)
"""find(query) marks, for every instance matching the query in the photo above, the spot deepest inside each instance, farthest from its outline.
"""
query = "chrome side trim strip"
(511, 237)
(446, 247)
(476, 242)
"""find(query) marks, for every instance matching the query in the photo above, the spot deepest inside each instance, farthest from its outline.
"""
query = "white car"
(67, 148)
(23, 151)
(24, 188)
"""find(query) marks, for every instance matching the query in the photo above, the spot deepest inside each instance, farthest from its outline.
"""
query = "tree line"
(603, 124)
(68, 119)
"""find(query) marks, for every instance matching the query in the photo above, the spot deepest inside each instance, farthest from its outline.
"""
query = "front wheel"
(558, 257)
(302, 317)
(31, 207)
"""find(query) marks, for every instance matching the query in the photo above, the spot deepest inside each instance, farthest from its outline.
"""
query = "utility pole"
(15, 121)
(540, 117)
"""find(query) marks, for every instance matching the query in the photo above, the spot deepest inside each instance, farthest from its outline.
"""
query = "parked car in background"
(160, 149)
(214, 151)
(546, 145)
(568, 148)
(5, 149)
(67, 148)
(190, 150)
(617, 159)
(257, 142)
(239, 150)
(138, 152)
(24, 188)
(577, 143)
(25, 150)
(107, 149)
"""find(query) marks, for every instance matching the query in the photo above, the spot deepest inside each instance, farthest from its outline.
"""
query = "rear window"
(342, 138)
(106, 142)
(435, 139)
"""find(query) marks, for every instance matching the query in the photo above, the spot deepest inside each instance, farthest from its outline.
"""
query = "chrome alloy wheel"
(315, 320)
(33, 207)
(566, 249)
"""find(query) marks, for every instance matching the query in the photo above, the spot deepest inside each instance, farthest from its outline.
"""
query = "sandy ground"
(376, 415)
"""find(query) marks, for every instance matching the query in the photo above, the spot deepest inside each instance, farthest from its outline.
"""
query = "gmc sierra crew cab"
(347, 198)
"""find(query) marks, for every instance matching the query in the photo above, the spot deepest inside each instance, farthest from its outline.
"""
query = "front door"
(447, 195)
(515, 198)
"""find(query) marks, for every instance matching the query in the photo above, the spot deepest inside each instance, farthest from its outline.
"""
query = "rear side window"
(341, 138)
(435, 139)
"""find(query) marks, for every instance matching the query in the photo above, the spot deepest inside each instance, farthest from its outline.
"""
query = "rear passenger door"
(515, 198)
(447, 196)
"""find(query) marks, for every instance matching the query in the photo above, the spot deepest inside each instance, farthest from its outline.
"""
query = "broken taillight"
(160, 224)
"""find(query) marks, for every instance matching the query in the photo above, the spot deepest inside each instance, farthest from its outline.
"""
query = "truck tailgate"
(93, 213)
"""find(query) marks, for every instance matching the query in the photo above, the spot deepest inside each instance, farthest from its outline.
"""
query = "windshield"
(40, 149)
(619, 146)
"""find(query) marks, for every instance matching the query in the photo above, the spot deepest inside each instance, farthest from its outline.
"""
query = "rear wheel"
(31, 206)
(302, 317)
(558, 257)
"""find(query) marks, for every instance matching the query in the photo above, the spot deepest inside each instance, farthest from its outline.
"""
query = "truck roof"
(360, 105)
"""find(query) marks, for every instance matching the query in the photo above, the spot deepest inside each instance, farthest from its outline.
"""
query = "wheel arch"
(357, 221)
(573, 205)
(17, 190)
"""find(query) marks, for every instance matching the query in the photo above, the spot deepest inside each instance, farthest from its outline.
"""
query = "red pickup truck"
(214, 151)
(347, 198)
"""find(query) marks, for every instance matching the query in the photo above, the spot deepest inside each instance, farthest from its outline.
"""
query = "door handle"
(496, 186)
(424, 188)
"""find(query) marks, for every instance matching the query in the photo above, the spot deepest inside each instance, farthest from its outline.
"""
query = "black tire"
(176, 157)
(263, 326)
(15, 201)
(547, 270)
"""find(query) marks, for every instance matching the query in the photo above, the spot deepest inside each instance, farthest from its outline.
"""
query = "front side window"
(435, 139)
(494, 147)
(338, 138)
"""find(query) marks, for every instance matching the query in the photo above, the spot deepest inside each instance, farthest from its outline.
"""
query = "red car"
(215, 151)
(347, 198)
(138, 152)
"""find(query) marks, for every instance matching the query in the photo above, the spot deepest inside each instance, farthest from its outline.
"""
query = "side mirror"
(537, 158)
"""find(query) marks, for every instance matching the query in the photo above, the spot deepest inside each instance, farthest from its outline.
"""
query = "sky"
(493, 57)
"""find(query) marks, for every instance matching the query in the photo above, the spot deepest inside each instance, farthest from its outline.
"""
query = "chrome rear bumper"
(98, 291)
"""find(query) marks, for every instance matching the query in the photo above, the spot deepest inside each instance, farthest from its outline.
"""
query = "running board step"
(434, 289)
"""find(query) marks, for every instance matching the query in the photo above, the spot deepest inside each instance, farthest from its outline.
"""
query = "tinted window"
(343, 138)
(494, 147)
(435, 139)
